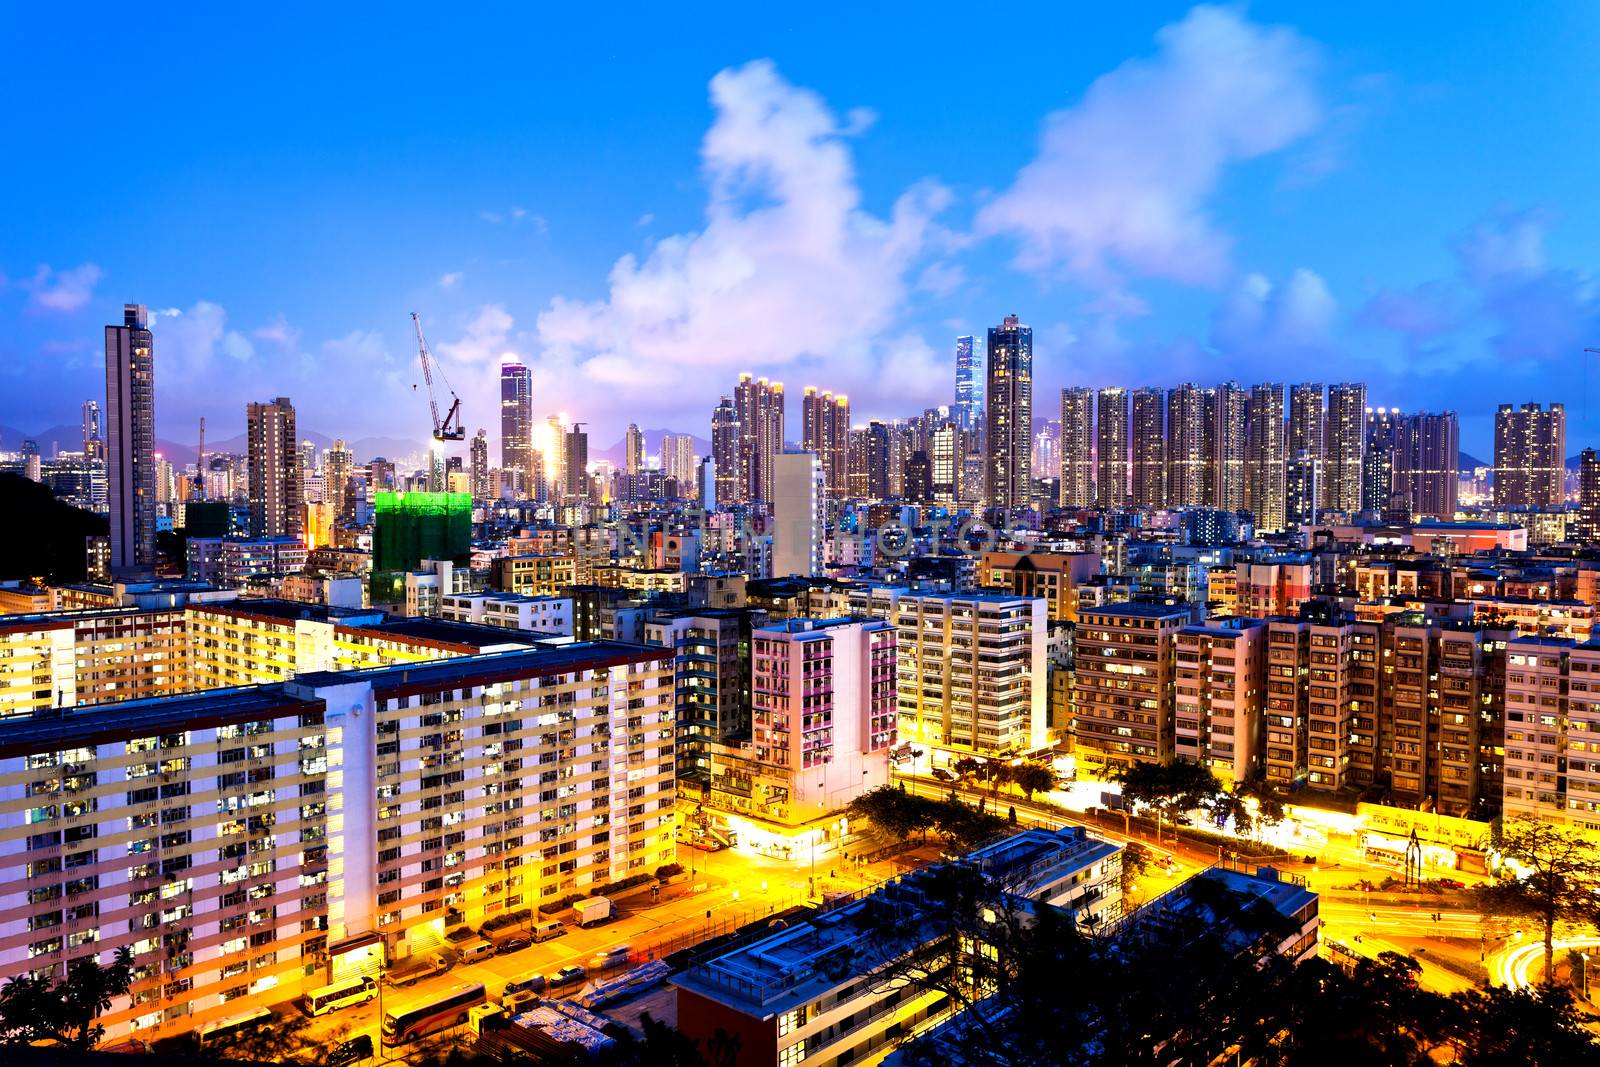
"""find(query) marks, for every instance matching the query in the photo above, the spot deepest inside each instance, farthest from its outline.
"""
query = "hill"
(49, 544)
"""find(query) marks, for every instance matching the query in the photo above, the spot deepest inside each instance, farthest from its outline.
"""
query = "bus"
(233, 1026)
(342, 994)
(428, 1016)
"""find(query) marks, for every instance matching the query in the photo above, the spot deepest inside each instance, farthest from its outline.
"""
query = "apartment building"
(973, 670)
(711, 655)
(1125, 685)
(1552, 763)
(821, 991)
(823, 719)
(244, 842)
(1055, 576)
(550, 615)
(534, 575)
(1262, 590)
(1219, 688)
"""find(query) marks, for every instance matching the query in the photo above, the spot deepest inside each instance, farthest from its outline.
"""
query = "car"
(347, 1052)
(943, 775)
(513, 944)
(529, 981)
(520, 1001)
(1450, 883)
(567, 976)
(611, 957)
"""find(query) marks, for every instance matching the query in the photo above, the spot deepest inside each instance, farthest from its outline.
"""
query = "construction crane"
(450, 428)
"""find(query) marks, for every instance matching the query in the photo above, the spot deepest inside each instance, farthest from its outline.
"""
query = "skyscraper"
(797, 511)
(1587, 529)
(575, 462)
(1149, 449)
(1010, 414)
(1308, 425)
(337, 464)
(825, 430)
(130, 440)
(1530, 446)
(1077, 448)
(677, 461)
(1189, 434)
(92, 442)
(759, 404)
(1231, 444)
(727, 455)
(1430, 465)
(1111, 449)
(276, 500)
(968, 401)
(632, 450)
(516, 425)
(1300, 490)
(479, 469)
(1265, 458)
(1382, 454)
(1344, 437)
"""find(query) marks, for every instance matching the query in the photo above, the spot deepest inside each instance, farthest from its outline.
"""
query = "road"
(725, 891)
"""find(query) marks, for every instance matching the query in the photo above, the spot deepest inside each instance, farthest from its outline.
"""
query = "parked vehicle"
(591, 910)
(437, 963)
(233, 1026)
(548, 930)
(476, 951)
(943, 775)
(353, 1051)
(520, 1002)
(357, 990)
(513, 944)
(526, 982)
(429, 1015)
(567, 976)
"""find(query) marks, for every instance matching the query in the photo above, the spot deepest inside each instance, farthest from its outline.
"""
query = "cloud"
(67, 290)
(450, 280)
(485, 338)
(197, 343)
(789, 269)
(1122, 180)
(1260, 320)
(280, 333)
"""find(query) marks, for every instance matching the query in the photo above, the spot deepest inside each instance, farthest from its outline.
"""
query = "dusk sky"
(644, 204)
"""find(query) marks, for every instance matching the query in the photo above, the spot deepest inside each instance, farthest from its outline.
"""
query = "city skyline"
(1481, 274)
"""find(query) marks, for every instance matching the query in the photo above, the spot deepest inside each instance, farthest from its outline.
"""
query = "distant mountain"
(49, 544)
(69, 438)
(652, 445)
(1469, 461)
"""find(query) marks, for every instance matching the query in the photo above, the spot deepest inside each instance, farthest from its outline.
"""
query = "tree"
(1170, 789)
(1500, 1027)
(1561, 882)
(34, 1009)
(1032, 778)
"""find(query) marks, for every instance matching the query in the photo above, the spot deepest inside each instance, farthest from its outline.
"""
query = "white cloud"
(1261, 319)
(450, 280)
(485, 338)
(279, 333)
(789, 268)
(189, 343)
(1123, 179)
(67, 290)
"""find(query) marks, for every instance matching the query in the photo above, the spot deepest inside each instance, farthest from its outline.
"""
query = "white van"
(476, 951)
(546, 931)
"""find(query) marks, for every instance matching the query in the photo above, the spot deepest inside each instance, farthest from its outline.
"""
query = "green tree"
(34, 1009)
(1561, 882)
(1032, 778)
(1500, 1027)
(1170, 789)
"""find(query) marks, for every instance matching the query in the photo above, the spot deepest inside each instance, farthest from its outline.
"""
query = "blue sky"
(641, 203)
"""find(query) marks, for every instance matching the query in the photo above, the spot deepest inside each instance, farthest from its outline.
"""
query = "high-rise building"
(93, 443)
(919, 478)
(1382, 454)
(1111, 449)
(1308, 424)
(869, 461)
(516, 425)
(969, 400)
(759, 404)
(1009, 397)
(555, 460)
(1047, 452)
(274, 480)
(1300, 489)
(575, 462)
(1530, 445)
(1220, 687)
(797, 510)
(947, 469)
(1344, 437)
(338, 463)
(481, 486)
(632, 450)
(1231, 444)
(1587, 528)
(130, 439)
(1149, 449)
(1122, 704)
(825, 430)
(1265, 458)
(1190, 431)
(727, 453)
(1430, 468)
(1077, 448)
(678, 461)
(411, 527)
